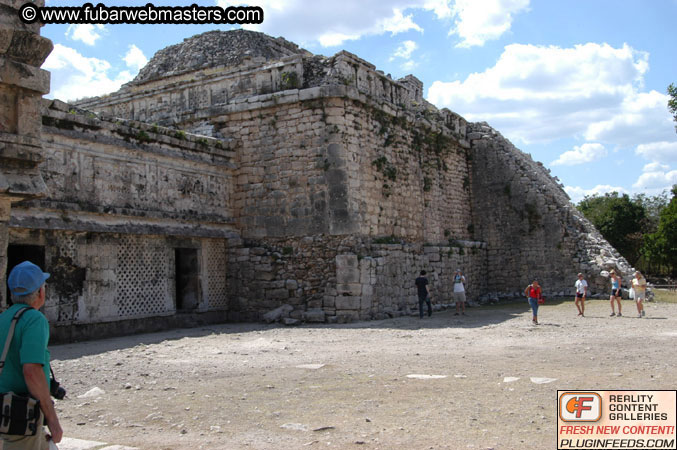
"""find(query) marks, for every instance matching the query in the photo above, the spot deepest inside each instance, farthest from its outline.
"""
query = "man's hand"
(55, 430)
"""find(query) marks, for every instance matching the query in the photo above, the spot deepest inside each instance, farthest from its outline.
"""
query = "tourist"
(459, 292)
(581, 294)
(26, 367)
(534, 293)
(616, 293)
(639, 286)
(423, 294)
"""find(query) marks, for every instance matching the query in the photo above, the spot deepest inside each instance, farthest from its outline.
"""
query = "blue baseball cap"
(25, 279)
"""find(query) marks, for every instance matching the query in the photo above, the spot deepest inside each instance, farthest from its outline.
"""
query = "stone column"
(22, 85)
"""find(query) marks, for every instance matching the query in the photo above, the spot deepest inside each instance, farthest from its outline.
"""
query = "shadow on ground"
(476, 317)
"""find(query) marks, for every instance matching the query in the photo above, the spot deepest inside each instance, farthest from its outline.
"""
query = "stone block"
(314, 316)
(347, 303)
(314, 304)
(347, 316)
(353, 289)
(346, 260)
(347, 275)
(329, 301)
(277, 313)
(277, 294)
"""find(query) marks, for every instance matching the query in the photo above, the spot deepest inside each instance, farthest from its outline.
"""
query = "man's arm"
(37, 385)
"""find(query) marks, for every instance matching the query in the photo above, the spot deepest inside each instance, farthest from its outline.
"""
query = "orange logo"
(580, 407)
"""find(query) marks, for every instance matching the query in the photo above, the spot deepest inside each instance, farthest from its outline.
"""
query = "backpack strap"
(10, 335)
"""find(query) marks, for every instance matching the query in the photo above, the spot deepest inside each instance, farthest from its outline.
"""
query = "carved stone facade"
(22, 84)
(222, 184)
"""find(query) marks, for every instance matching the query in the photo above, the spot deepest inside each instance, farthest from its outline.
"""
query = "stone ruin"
(239, 174)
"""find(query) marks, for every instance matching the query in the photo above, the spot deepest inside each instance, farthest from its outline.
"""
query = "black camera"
(56, 390)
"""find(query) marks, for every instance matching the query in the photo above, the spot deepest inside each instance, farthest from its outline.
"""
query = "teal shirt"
(29, 345)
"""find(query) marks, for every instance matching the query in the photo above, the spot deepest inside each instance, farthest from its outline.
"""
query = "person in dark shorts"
(616, 293)
(581, 294)
(423, 294)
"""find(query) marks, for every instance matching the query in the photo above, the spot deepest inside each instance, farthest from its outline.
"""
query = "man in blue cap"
(26, 369)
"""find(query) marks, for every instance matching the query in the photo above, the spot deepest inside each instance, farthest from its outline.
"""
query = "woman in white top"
(581, 293)
(459, 292)
(639, 286)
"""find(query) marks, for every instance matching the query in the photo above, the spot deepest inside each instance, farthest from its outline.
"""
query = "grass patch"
(665, 296)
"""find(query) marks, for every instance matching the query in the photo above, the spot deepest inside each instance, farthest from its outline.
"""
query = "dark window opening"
(16, 254)
(187, 279)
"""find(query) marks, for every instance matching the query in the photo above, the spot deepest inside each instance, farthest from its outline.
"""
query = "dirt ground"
(253, 386)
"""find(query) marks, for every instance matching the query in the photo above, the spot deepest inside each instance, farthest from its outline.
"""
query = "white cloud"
(585, 153)
(659, 151)
(657, 175)
(335, 39)
(577, 193)
(86, 33)
(538, 94)
(333, 23)
(78, 76)
(478, 21)
(641, 117)
(405, 50)
(656, 179)
(135, 59)
(398, 23)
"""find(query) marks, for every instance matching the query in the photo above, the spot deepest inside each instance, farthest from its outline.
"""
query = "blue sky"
(580, 85)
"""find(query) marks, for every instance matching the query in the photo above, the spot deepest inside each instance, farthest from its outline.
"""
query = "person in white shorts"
(459, 292)
(639, 286)
(581, 293)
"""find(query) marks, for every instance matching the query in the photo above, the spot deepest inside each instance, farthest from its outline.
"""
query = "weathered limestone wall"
(188, 101)
(105, 278)
(22, 84)
(173, 100)
(129, 177)
(280, 180)
(405, 178)
(344, 278)
(318, 183)
(531, 229)
(123, 197)
(100, 278)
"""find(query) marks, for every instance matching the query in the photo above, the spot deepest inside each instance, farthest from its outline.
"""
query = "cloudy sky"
(580, 85)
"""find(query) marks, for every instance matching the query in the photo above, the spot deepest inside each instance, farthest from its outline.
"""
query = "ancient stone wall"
(22, 83)
(179, 100)
(126, 203)
(531, 229)
(344, 278)
(287, 179)
(404, 179)
(129, 177)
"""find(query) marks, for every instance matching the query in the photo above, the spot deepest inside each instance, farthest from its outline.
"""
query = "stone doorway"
(187, 279)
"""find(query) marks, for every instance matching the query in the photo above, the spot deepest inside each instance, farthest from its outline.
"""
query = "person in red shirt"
(533, 293)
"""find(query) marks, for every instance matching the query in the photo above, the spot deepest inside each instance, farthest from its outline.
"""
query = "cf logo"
(580, 407)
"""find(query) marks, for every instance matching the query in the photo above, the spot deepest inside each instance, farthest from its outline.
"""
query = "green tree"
(672, 102)
(620, 221)
(665, 239)
(652, 209)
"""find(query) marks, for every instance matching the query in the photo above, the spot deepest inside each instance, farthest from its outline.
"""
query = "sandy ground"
(252, 386)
